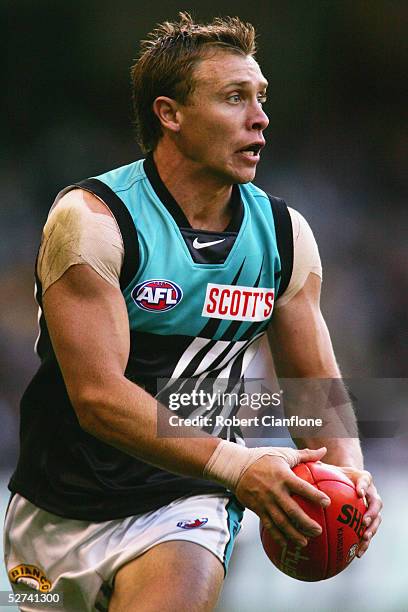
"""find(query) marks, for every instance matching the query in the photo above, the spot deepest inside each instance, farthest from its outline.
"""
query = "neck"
(203, 198)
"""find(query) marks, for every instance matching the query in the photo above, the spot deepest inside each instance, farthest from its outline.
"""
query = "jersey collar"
(174, 208)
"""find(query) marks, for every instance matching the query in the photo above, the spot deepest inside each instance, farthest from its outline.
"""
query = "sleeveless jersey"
(198, 304)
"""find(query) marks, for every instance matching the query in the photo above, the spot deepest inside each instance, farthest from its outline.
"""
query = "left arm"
(302, 349)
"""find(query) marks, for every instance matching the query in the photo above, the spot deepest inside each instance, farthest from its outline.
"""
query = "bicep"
(89, 329)
(298, 336)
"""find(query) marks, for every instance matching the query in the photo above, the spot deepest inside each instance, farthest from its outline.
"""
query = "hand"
(363, 482)
(267, 487)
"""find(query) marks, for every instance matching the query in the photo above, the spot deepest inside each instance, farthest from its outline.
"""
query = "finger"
(375, 505)
(299, 518)
(274, 532)
(304, 489)
(307, 454)
(289, 531)
(364, 482)
(368, 535)
(373, 528)
(362, 549)
(371, 514)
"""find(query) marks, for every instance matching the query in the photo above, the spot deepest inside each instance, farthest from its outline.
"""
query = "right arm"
(89, 328)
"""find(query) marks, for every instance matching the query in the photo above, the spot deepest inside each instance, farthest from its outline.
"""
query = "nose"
(258, 119)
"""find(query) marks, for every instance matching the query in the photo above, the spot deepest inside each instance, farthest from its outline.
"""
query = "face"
(222, 122)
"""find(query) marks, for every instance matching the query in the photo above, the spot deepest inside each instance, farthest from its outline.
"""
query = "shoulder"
(74, 211)
(253, 191)
(299, 224)
(306, 257)
(303, 236)
(79, 200)
(124, 177)
(80, 229)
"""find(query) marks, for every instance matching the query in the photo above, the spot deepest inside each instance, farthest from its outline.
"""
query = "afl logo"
(157, 295)
(352, 553)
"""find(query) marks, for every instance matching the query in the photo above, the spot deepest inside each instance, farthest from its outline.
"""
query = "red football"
(341, 523)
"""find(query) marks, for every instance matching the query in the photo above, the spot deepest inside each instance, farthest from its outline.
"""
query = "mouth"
(252, 151)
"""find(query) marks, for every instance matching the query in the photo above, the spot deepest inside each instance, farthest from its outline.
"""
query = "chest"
(173, 293)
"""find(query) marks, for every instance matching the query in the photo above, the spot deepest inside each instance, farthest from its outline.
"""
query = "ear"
(166, 109)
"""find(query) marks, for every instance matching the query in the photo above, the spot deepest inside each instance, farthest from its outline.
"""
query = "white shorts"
(79, 559)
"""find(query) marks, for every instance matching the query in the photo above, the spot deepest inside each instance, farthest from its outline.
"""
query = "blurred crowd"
(336, 151)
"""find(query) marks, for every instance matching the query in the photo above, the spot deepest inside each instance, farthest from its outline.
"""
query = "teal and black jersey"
(198, 304)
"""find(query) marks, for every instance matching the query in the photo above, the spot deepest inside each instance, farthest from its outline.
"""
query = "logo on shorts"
(157, 295)
(31, 575)
(198, 522)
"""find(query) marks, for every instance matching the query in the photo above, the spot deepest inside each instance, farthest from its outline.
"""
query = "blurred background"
(337, 149)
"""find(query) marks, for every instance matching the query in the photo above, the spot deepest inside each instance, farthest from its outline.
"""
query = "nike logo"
(202, 245)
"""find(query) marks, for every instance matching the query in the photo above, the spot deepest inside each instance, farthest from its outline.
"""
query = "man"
(167, 269)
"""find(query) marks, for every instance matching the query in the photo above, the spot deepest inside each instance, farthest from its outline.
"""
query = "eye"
(262, 98)
(235, 98)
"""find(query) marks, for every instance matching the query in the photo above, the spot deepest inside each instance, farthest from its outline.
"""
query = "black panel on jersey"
(202, 251)
(284, 240)
(157, 354)
(154, 356)
(127, 227)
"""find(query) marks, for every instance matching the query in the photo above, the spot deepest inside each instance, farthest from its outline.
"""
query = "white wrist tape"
(229, 461)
